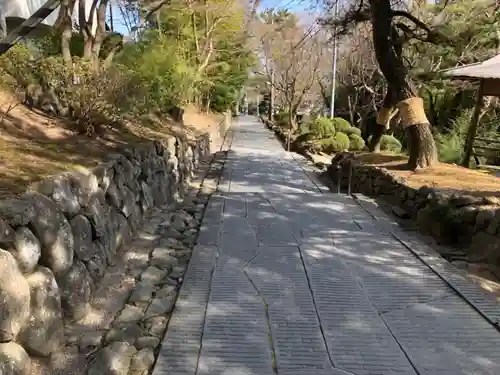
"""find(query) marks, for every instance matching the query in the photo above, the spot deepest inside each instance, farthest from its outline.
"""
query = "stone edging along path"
(157, 261)
(93, 260)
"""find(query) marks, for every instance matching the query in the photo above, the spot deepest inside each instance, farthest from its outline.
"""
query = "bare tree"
(294, 52)
(129, 12)
(361, 83)
(92, 28)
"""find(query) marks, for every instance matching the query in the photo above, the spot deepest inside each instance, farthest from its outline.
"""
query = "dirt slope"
(34, 145)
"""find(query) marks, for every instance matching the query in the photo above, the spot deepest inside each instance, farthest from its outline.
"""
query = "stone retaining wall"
(450, 217)
(58, 238)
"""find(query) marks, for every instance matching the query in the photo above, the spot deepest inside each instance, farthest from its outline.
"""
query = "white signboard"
(25, 8)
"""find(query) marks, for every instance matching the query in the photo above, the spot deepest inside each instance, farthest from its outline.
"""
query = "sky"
(299, 6)
(293, 5)
(118, 23)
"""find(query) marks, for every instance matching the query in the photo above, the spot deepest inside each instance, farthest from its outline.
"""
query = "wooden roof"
(489, 69)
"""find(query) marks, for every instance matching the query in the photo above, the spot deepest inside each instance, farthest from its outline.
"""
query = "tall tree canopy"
(392, 27)
(422, 40)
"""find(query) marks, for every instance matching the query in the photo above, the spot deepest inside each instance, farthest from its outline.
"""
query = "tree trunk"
(324, 95)
(100, 32)
(85, 30)
(381, 123)
(208, 102)
(66, 45)
(455, 109)
(63, 23)
(111, 55)
(3, 24)
(291, 118)
(423, 152)
(376, 131)
(351, 110)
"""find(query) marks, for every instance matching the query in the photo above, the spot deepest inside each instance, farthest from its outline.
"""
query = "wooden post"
(339, 178)
(349, 178)
(472, 130)
(289, 137)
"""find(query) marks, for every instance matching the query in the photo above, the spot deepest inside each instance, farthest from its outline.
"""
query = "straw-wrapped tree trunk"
(401, 95)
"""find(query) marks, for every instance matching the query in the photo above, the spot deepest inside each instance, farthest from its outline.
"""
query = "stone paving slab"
(289, 279)
(473, 293)
(236, 333)
(456, 343)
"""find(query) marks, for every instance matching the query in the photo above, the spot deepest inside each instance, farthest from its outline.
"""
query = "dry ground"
(442, 176)
(34, 145)
(452, 178)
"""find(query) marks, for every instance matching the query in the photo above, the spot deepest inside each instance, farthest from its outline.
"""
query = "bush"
(14, 73)
(305, 137)
(451, 145)
(356, 143)
(342, 141)
(339, 142)
(390, 143)
(15, 66)
(88, 96)
(352, 130)
(326, 145)
(281, 118)
(165, 77)
(322, 127)
(340, 124)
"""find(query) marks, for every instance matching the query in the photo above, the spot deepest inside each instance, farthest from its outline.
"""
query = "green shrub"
(15, 70)
(327, 145)
(305, 137)
(356, 143)
(340, 124)
(322, 127)
(451, 145)
(91, 102)
(164, 75)
(342, 141)
(339, 142)
(352, 130)
(390, 143)
(16, 64)
(281, 118)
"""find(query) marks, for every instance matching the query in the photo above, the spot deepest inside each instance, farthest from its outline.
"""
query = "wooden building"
(487, 75)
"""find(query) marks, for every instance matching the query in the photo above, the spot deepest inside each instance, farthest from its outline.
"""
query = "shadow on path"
(288, 280)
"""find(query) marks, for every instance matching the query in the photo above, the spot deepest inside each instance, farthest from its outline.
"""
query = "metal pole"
(271, 99)
(349, 179)
(334, 63)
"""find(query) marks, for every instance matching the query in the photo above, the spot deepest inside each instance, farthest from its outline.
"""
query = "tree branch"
(412, 18)
(155, 9)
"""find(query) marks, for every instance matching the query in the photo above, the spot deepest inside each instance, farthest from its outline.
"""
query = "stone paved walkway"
(289, 280)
